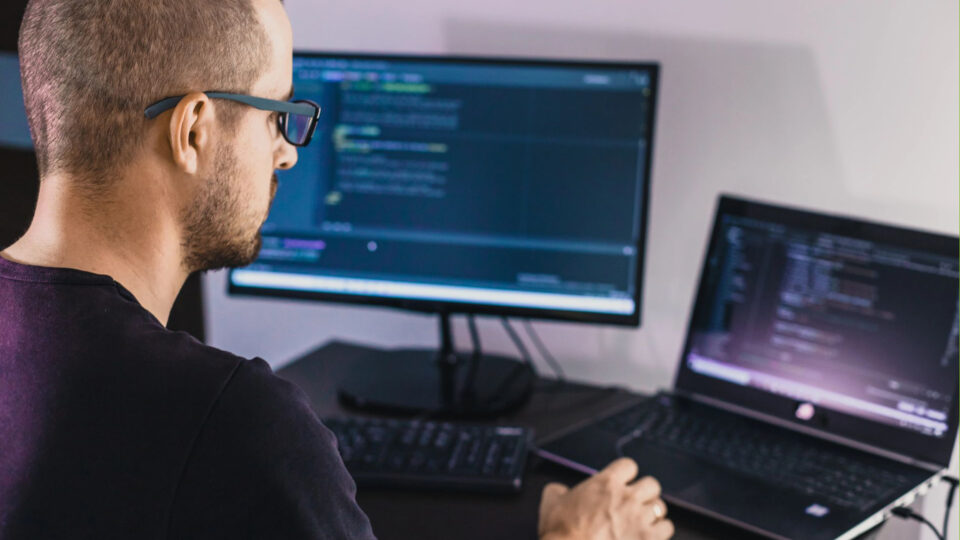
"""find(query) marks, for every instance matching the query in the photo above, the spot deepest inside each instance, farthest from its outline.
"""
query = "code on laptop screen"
(852, 325)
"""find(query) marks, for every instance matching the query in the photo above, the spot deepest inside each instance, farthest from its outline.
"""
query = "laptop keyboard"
(753, 449)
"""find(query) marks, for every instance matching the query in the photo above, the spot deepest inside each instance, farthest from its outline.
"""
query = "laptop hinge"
(779, 422)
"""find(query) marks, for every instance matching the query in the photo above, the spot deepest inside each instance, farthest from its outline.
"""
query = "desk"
(466, 516)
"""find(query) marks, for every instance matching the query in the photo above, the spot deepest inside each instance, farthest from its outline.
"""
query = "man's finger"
(551, 492)
(548, 500)
(648, 513)
(620, 471)
(644, 490)
(662, 530)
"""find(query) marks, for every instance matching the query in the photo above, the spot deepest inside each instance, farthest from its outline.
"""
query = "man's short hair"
(90, 67)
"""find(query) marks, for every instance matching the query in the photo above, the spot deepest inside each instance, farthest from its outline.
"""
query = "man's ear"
(190, 126)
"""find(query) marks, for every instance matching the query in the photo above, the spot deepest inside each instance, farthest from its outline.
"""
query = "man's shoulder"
(256, 399)
(157, 348)
(263, 465)
(179, 344)
(162, 365)
(251, 379)
(246, 393)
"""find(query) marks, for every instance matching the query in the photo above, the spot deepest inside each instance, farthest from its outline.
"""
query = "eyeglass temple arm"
(264, 104)
(161, 107)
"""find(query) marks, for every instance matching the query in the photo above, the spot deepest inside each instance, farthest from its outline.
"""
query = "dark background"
(18, 193)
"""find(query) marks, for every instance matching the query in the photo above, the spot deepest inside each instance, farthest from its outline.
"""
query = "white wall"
(848, 107)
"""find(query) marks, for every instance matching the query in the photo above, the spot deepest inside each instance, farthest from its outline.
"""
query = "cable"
(560, 384)
(953, 491)
(524, 352)
(542, 349)
(474, 336)
(469, 384)
(510, 377)
(907, 513)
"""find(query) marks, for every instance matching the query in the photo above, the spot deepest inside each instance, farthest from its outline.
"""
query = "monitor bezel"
(431, 306)
(834, 423)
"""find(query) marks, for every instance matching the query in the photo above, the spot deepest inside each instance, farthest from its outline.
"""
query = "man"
(154, 164)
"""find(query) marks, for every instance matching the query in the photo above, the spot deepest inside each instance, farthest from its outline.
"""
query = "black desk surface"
(424, 515)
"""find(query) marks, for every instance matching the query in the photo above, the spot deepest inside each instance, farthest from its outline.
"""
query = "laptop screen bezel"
(876, 434)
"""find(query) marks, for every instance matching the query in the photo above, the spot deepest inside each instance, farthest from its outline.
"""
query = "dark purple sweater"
(111, 426)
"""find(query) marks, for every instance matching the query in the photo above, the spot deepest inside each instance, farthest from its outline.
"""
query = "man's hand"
(605, 507)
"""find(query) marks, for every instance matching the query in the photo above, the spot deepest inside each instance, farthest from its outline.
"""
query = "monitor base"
(437, 385)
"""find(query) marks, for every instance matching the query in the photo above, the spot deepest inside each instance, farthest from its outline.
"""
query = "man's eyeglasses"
(297, 119)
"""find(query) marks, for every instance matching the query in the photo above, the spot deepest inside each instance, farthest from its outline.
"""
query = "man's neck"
(134, 242)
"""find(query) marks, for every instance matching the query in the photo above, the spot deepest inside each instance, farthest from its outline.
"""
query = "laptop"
(817, 388)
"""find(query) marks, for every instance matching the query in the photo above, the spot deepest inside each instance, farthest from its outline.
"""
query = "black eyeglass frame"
(303, 107)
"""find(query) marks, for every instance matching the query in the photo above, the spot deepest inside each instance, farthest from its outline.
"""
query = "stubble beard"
(219, 230)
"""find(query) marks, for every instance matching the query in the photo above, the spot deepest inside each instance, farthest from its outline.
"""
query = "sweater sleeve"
(264, 466)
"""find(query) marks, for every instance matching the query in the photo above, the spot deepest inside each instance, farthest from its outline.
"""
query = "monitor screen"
(831, 314)
(14, 131)
(18, 190)
(466, 185)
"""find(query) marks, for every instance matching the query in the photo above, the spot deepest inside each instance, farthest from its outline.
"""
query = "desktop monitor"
(14, 130)
(18, 191)
(465, 185)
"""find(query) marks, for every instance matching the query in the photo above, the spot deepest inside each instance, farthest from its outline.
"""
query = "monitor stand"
(437, 383)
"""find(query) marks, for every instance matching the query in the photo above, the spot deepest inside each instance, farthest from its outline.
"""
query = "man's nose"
(287, 157)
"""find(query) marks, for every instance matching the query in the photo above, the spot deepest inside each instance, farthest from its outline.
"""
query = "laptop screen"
(847, 326)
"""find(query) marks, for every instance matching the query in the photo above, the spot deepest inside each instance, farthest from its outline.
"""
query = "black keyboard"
(758, 450)
(432, 455)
